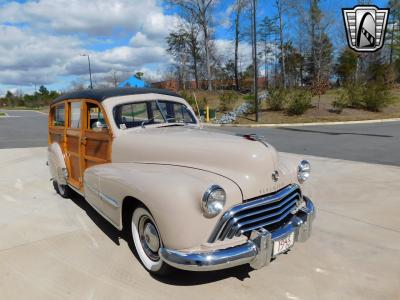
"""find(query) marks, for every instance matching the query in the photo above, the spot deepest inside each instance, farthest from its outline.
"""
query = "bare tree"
(239, 5)
(194, 49)
(267, 29)
(200, 11)
(282, 8)
(177, 47)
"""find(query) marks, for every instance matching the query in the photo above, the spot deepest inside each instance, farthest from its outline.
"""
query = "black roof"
(102, 94)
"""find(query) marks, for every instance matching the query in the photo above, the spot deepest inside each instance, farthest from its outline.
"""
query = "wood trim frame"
(79, 132)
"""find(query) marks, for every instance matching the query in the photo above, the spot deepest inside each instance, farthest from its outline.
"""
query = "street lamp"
(90, 70)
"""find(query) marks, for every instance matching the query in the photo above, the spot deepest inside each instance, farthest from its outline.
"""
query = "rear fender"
(58, 168)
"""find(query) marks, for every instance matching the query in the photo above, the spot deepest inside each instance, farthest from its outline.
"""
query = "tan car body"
(168, 169)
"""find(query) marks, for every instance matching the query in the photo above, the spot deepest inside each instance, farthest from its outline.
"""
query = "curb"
(304, 124)
(39, 112)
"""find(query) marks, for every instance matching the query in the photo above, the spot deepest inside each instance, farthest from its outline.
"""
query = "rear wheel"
(62, 189)
(147, 242)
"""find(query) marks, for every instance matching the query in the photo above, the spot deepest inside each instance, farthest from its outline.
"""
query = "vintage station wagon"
(188, 198)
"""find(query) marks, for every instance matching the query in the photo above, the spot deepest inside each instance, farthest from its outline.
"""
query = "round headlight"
(213, 201)
(303, 171)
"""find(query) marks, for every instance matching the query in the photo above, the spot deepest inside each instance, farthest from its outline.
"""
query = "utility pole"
(255, 83)
(115, 78)
(90, 70)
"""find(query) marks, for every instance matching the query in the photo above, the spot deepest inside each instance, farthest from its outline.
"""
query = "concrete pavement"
(23, 129)
(55, 248)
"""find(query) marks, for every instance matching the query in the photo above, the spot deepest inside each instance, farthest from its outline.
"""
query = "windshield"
(152, 112)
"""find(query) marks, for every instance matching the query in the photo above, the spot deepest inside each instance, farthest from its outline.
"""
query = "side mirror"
(99, 126)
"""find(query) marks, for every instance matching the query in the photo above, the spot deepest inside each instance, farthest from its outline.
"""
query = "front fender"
(173, 195)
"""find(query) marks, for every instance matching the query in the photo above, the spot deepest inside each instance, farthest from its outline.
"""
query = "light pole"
(255, 84)
(90, 70)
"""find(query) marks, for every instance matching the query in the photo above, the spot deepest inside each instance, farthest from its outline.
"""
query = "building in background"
(134, 82)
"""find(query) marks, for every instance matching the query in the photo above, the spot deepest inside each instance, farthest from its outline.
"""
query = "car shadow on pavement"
(186, 278)
(113, 233)
(178, 277)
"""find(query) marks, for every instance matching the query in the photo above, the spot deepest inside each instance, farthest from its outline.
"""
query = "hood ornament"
(256, 137)
(275, 175)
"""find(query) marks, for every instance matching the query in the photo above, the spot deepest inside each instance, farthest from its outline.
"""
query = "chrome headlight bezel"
(210, 205)
(303, 171)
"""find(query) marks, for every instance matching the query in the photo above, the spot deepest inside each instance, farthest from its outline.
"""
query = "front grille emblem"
(275, 176)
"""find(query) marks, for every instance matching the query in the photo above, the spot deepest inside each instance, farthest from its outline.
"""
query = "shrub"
(226, 99)
(188, 97)
(299, 102)
(376, 97)
(355, 93)
(373, 96)
(339, 104)
(249, 97)
(276, 99)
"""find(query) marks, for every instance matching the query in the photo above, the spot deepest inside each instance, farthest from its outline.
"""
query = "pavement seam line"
(359, 221)
(38, 241)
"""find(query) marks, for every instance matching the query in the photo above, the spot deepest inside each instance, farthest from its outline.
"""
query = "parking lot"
(55, 248)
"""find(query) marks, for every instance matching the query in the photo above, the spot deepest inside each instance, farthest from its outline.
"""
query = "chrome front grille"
(269, 212)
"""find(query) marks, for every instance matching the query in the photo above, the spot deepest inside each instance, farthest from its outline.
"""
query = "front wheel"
(147, 241)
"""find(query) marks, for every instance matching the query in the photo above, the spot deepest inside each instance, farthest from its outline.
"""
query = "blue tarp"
(133, 82)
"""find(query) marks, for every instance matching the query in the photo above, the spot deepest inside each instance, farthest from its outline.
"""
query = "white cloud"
(225, 50)
(42, 40)
(26, 58)
(95, 17)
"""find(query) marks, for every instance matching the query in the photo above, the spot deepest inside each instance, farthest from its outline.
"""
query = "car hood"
(248, 163)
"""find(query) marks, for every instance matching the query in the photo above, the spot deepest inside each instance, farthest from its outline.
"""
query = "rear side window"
(75, 115)
(95, 118)
(59, 115)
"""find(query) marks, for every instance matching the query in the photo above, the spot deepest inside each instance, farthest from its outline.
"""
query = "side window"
(182, 114)
(59, 115)
(95, 118)
(75, 121)
(157, 115)
(176, 112)
(132, 115)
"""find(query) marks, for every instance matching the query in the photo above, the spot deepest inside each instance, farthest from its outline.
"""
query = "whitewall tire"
(147, 241)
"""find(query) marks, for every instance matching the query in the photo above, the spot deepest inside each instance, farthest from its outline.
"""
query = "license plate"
(283, 244)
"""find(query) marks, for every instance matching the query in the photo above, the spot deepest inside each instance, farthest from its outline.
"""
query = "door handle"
(83, 140)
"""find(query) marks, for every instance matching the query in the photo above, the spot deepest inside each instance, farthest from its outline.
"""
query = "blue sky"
(41, 41)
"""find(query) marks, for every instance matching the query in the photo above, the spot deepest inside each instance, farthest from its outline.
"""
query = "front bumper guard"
(257, 251)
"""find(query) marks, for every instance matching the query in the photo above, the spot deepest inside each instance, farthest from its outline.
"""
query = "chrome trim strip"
(257, 251)
(109, 200)
(103, 197)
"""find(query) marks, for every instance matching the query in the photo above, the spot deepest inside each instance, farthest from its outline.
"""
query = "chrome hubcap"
(149, 238)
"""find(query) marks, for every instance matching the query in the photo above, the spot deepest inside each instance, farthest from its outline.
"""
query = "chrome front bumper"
(257, 251)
